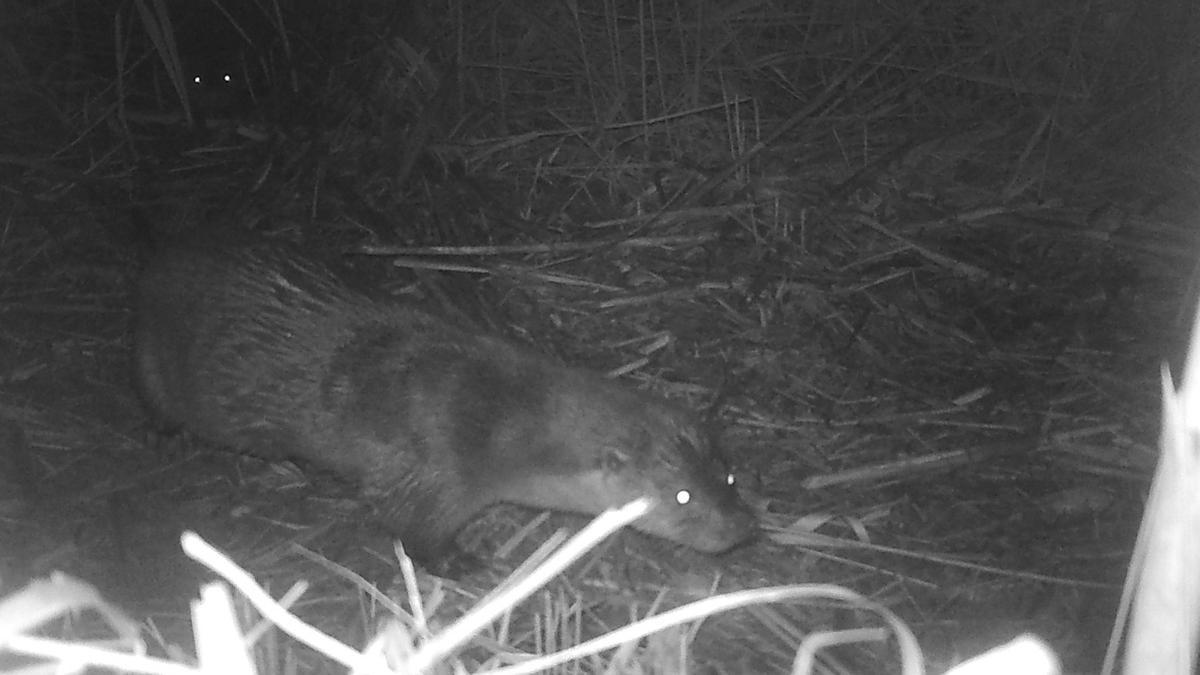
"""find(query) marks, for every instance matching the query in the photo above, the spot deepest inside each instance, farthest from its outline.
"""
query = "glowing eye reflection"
(730, 479)
(683, 497)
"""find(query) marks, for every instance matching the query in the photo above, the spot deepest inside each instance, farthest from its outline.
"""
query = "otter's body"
(266, 352)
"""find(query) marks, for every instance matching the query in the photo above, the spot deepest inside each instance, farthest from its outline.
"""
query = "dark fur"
(266, 352)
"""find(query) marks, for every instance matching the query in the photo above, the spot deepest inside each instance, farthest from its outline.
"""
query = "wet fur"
(266, 352)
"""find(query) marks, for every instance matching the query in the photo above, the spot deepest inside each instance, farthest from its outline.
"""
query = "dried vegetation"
(920, 262)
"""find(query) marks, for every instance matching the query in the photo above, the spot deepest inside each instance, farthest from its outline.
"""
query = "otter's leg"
(426, 522)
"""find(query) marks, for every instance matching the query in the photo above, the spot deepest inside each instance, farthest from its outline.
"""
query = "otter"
(269, 352)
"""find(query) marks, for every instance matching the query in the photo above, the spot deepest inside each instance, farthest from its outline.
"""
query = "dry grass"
(920, 262)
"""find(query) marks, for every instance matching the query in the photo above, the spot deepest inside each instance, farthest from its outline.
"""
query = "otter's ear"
(614, 460)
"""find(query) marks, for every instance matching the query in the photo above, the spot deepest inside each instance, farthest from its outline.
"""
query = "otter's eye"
(683, 497)
(730, 479)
